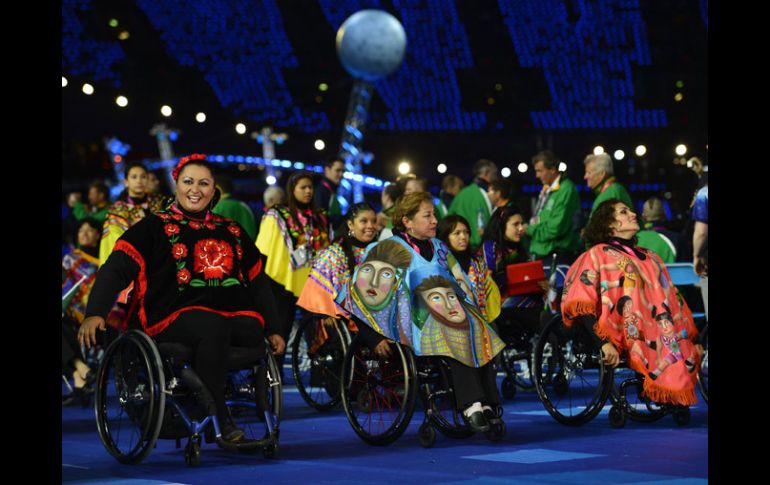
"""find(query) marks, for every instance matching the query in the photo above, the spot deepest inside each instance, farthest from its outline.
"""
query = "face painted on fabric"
(666, 326)
(375, 281)
(445, 305)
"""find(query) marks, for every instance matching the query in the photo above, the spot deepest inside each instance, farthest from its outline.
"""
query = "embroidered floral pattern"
(235, 230)
(183, 276)
(213, 258)
(179, 251)
(171, 229)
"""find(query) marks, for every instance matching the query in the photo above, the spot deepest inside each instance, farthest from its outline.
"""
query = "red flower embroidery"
(177, 217)
(213, 258)
(210, 226)
(195, 225)
(179, 251)
(239, 251)
(183, 276)
(164, 217)
(235, 230)
(171, 229)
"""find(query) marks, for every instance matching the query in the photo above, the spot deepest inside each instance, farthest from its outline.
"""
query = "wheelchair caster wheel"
(682, 416)
(508, 388)
(496, 431)
(427, 435)
(192, 452)
(270, 451)
(617, 417)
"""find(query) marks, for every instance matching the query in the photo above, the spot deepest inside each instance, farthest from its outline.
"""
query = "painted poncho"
(329, 272)
(78, 274)
(427, 305)
(639, 310)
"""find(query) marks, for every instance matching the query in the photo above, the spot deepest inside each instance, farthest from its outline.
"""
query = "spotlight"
(166, 110)
(505, 172)
(404, 168)
(441, 168)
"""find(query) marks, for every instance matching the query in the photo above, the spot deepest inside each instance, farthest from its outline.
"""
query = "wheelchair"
(380, 395)
(317, 352)
(703, 375)
(517, 357)
(145, 392)
(574, 384)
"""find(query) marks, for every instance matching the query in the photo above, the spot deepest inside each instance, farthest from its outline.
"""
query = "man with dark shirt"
(325, 196)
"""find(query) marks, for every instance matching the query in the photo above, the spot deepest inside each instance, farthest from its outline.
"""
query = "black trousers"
(473, 384)
(210, 335)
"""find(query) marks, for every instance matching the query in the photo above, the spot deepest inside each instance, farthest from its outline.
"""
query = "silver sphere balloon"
(371, 44)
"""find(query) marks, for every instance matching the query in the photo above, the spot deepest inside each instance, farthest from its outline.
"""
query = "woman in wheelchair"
(318, 349)
(453, 230)
(656, 332)
(410, 289)
(333, 265)
(198, 281)
(502, 245)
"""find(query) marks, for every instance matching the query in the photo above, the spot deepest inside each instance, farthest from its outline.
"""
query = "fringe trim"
(658, 393)
(575, 308)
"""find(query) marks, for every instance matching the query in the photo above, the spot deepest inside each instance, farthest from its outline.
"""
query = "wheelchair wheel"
(317, 354)
(517, 362)
(378, 395)
(439, 400)
(703, 374)
(130, 397)
(570, 377)
(636, 405)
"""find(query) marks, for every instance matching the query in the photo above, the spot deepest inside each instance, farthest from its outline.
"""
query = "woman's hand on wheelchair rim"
(611, 355)
(383, 349)
(87, 332)
(277, 343)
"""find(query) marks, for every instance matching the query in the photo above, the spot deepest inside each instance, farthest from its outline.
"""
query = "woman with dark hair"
(333, 265)
(133, 203)
(291, 237)
(198, 282)
(79, 268)
(664, 352)
(454, 231)
(382, 294)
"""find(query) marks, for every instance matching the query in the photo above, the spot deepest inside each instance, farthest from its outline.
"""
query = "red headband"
(184, 161)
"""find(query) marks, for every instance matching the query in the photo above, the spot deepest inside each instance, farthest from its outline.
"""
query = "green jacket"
(80, 212)
(657, 242)
(472, 204)
(611, 189)
(239, 212)
(554, 230)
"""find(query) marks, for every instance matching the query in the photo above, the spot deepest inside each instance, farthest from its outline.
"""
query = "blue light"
(348, 175)
(370, 180)
(173, 135)
(286, 164)
(378, 183)
(299, 165)
(579, 70)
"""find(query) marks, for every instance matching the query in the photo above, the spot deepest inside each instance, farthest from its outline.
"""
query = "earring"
(350, 232)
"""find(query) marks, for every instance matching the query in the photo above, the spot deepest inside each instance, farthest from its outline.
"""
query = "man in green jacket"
(473, 203)
(551, 224)
(601, 179)
(233, 208)
(98, 203)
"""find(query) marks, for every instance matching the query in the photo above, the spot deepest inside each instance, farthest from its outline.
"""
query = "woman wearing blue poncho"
(409, 289)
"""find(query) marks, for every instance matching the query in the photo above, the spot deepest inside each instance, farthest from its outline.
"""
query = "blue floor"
(322, 448)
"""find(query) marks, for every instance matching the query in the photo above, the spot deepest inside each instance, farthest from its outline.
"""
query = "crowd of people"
(426, 272)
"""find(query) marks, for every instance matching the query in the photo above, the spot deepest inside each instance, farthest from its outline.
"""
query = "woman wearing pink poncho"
(625, 295)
